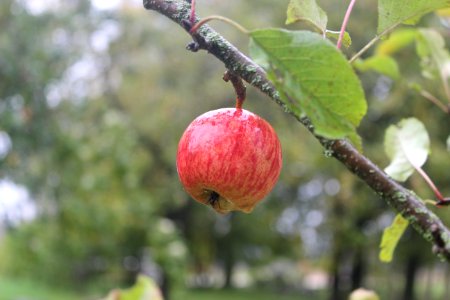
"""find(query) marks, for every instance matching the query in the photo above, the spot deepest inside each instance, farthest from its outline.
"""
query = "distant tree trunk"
(336, 276)
(447, 283)
(427, 294)
(228, 269)
(412, 265)
(335, 285)
(338, 252)
(358, 269)
(165, 286)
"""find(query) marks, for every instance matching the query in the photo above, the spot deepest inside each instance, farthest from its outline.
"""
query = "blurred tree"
(83, 161)
(95, 102)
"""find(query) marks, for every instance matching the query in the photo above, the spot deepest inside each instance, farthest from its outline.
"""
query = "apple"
(229, 159)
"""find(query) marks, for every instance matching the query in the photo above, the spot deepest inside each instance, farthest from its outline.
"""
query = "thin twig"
(445, 74)
(427, 95)
(372, 42)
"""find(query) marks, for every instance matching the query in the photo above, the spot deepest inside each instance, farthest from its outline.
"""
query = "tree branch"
(424, 221)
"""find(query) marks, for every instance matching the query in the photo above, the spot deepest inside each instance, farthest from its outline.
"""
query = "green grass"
(23, 289)
(238, 295)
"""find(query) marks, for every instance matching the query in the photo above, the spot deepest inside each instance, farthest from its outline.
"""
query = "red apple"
(229, 158)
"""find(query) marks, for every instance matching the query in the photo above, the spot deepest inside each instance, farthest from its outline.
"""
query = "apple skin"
(230, 159)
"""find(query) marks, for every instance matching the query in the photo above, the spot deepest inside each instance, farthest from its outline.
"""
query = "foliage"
(315, 80)
(391, 236)
(407, 144)
(392, 13)
(308, 11)
(83, 161)
(97, 152)
(110, 189)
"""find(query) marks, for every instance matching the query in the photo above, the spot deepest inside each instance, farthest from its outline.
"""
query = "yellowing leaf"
(397, 40)
(144, 289)
(445, 12)
(363, 294)
(390, 238)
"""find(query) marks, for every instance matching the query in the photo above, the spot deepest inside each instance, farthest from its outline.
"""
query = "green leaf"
(144, 289)
(346, 40)
(382, 64)
(395, 12)
(259, 56)
(314, 79)
(407, 145)
(307, 10)
(397, 40)
(435, 58)
(390, 238)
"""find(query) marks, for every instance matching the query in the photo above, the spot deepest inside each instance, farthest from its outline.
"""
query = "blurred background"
(94, 96)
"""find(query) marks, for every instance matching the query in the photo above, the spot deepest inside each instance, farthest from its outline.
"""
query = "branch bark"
(423, 220)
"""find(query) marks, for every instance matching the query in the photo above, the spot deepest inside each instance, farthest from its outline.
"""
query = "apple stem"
(238, 85)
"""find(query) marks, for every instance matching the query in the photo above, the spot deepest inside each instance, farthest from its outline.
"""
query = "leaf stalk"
(345, 22)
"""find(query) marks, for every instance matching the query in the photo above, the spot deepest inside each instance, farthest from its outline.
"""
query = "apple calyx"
(219, 203)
